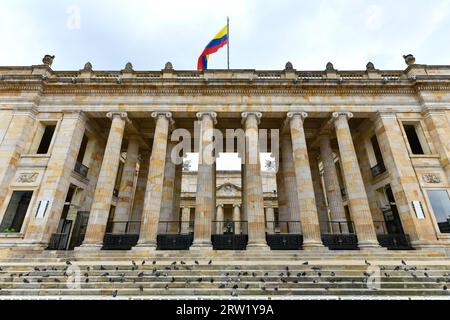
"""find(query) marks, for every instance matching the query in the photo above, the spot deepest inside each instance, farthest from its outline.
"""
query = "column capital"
(246, 114)
(336, 115)
(122, 115)
(212, 114)
(236, 205)
(303, 115)
(157, 114)
(221, 205)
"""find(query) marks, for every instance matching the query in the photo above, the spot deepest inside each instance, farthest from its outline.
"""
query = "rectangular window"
(416, 138)
(440, 202)
(16, 211)
(46, 139)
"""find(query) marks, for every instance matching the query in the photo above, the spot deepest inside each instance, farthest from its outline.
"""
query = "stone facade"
(363, 155)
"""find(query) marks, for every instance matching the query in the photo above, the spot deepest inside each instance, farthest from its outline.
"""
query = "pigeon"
(182, 262)
(254, 274)
(35, 269)
(174, 263)
(173, 279)
(396, 268)
(444, 288)
(316, 268)
(333, 274)
(247, 286)
(266, 274)
(403, 262)
(143, 262)
(221, 286)
(210, 262)
(141, 288)
(367, 263)
(114, 294)
(102, 268)
(140, 274)
(319, 274)
(305, 263)
(87, 280)
(25, 281)
(199, 280)
(154, 262)
(263, 288)
(426, 274)
(262, 280)
(88, 269)
(212, 280)
(166, 287)
(68, 263)
(57, 280)
(283, 280)
(235, 286)
(105, 274)
(38, 280)
(287, 268)
(196, 262)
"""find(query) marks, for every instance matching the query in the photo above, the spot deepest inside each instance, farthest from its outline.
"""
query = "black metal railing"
(341, 235)
(121, 235)
(175, 227)
(81, 169)
(378, 169)
(58, 241)
(390, 240)
(228, 227)
(284, 227)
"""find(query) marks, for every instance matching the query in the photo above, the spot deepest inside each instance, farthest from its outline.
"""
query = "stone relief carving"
(431, 178)
(27, 177)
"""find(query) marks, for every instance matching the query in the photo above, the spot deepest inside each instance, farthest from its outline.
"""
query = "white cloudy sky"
(264, 34)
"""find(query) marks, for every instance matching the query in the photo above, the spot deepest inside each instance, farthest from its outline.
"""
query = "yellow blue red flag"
(216, 43)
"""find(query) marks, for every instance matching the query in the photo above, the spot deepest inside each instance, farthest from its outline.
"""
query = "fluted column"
(332, 188)
(290, 187)
(122, 213)
(270, 217)
(139, 194)
(237, 218)
(307, 203)
(357, 197)
(283, 213)
(322, 210)
(185, 219)
(101, 204)
(254, 197)
(155, 180)
(168, 215)
(219, 219)
(205, 196)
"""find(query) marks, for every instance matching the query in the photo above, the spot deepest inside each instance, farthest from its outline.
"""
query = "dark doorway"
(79, 229)
(16, 211)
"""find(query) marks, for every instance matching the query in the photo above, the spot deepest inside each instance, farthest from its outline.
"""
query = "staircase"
(225, 274)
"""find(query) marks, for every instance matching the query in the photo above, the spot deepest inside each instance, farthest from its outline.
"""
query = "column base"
(370, 245)
(257, 246)
(89, 247)
(201, 245)
(313, 244)
(144, 247)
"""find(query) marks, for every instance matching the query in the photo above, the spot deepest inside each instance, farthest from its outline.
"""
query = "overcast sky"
(263, 34)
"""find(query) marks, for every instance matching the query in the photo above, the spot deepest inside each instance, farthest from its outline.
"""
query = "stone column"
(155, 180)
(101, 205)
(439, 127)
(123, 208)
(168, 216)
(356, 192)
(139, 194)
(205, 198)
(404, 183)
(185, 219)
(332, 188)
(13, 145)
(307, 204)
(283, 213)
(270, 216)
(290, 187)
(237, 218)
(319, 195)
(56, 180)
(254, 197)
(219, 219)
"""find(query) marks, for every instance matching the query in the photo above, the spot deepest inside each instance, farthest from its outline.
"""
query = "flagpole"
(228, 43)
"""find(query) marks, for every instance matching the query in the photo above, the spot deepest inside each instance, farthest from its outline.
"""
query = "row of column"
(300, 194)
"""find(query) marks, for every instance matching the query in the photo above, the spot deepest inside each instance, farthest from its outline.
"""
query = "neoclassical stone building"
(363, 159)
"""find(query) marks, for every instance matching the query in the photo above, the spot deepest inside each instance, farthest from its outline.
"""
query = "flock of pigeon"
(232, 278)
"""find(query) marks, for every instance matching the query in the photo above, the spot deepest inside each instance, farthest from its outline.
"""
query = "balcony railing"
(341, 235)
(121, 235)
(389, 240)
(378, 169)
(81, 169)
(175, 235)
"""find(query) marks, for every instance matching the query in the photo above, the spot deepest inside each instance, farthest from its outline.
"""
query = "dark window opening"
(413, 139)
(16, 211)
(46, 139)
(82, 151)
(379, 168)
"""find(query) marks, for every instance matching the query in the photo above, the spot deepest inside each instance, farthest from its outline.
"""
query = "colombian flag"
(218, 42)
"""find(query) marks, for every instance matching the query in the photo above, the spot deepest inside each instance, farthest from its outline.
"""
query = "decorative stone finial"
(289, 66)
(409, 59)
(330, 67)
(48, 60)
(87, 66)
(168, 66)
(370, 66)
(128, 67)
